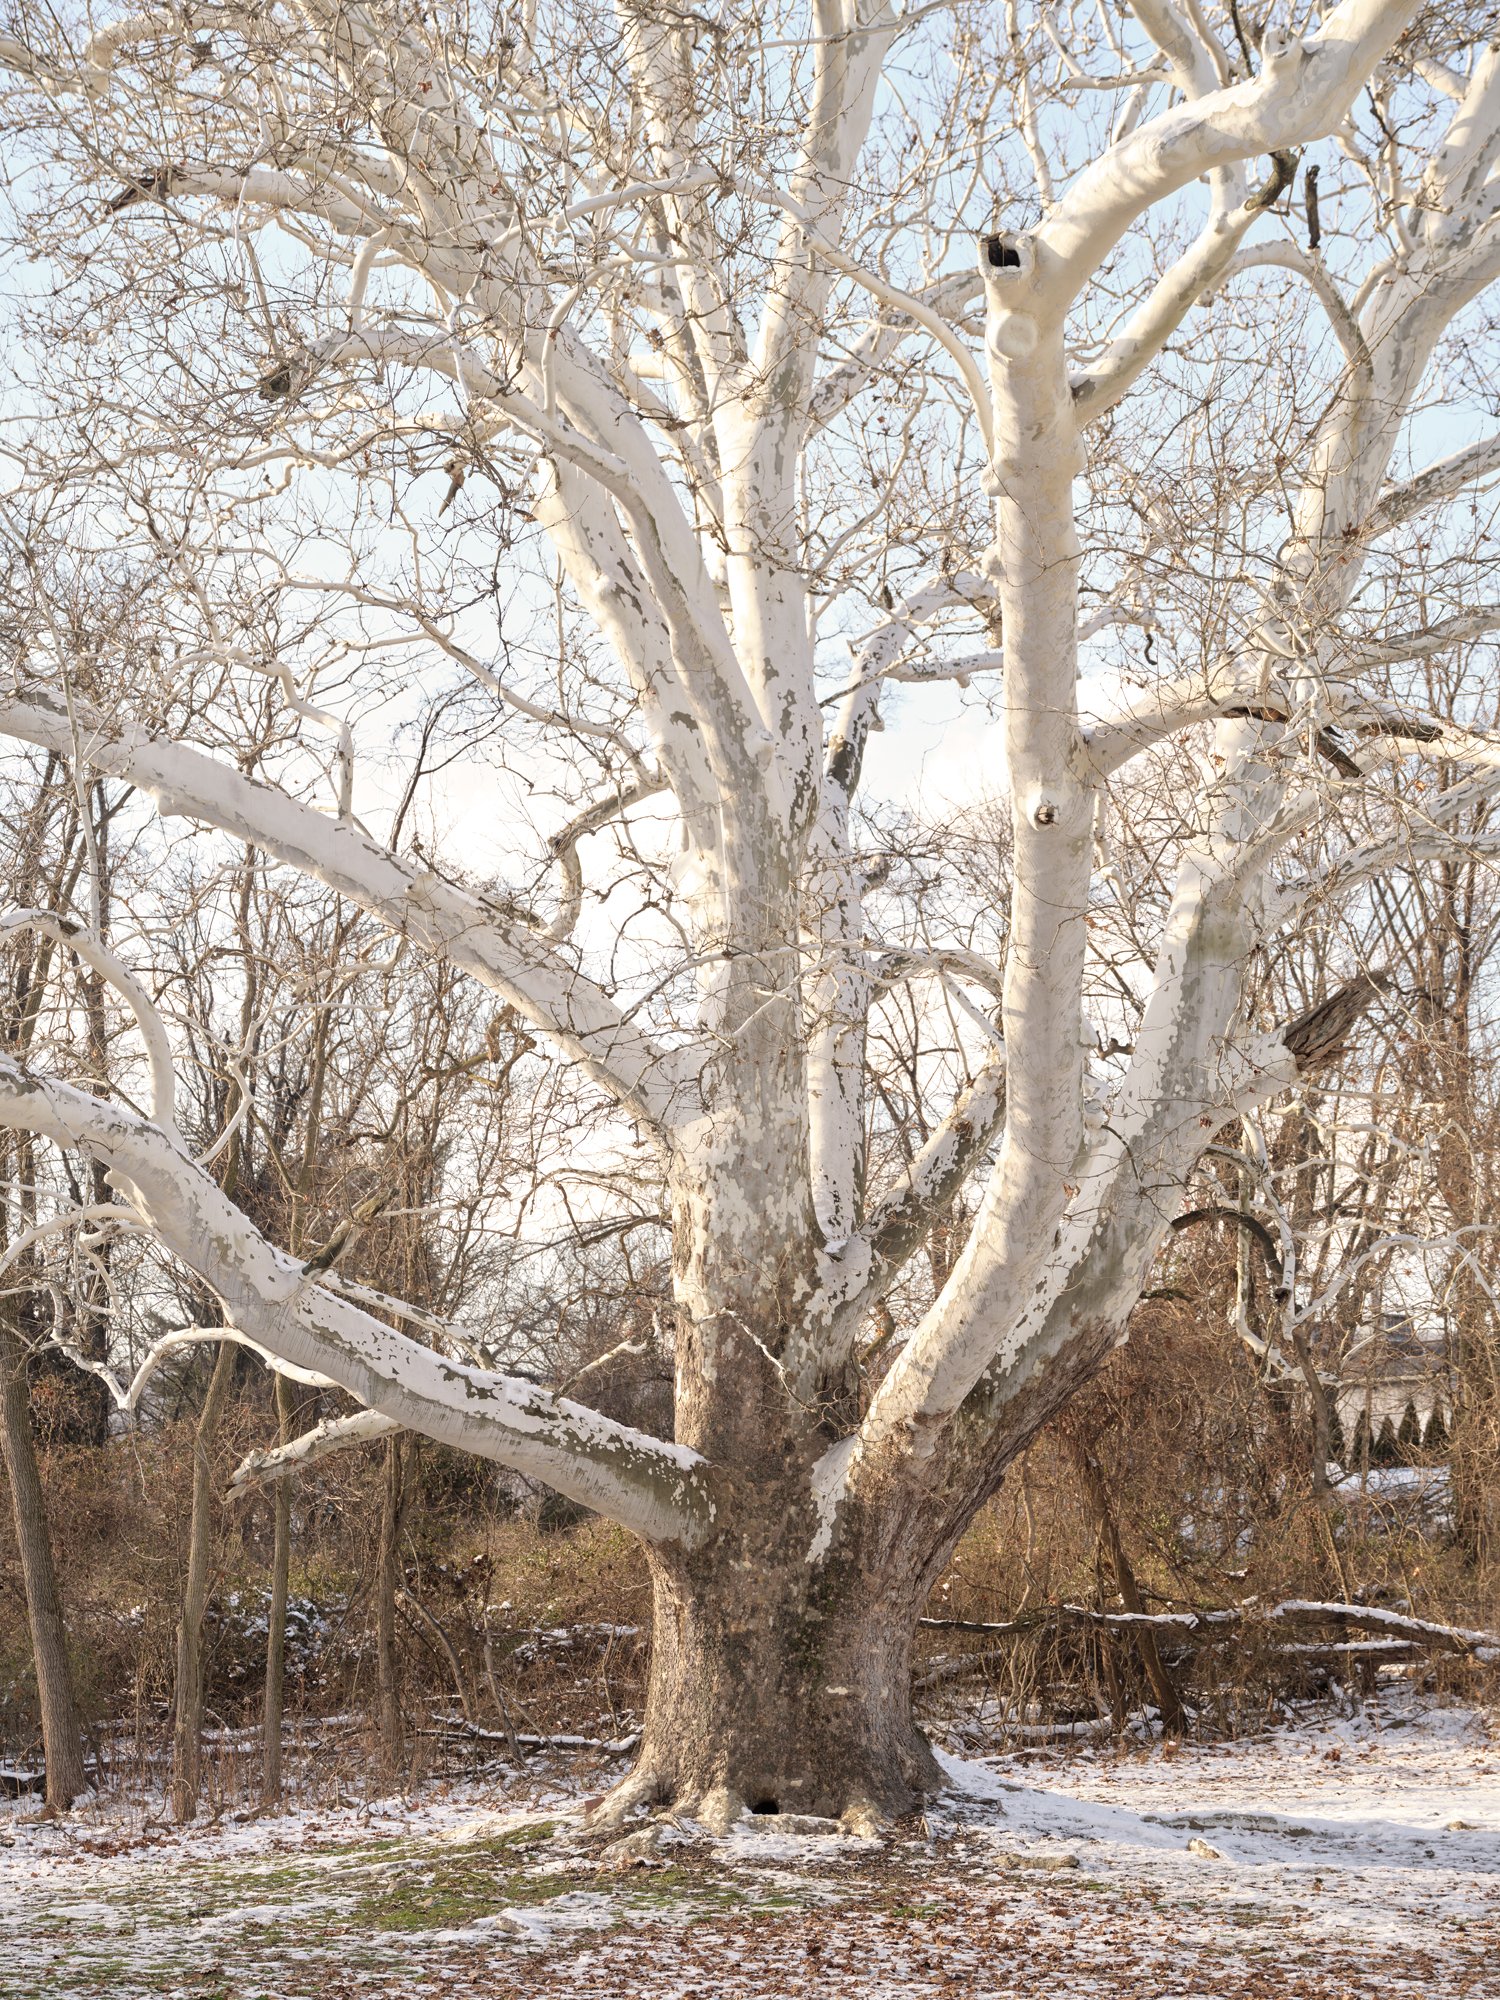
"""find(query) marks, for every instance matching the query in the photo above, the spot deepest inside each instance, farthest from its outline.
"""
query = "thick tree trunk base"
(775, 1689)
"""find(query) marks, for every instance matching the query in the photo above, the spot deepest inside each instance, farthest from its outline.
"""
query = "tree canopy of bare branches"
(641, 422)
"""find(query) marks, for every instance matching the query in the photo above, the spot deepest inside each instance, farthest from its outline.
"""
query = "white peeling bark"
(1303, 91)
(677, 513)
(1038, 454)
(259, 1468)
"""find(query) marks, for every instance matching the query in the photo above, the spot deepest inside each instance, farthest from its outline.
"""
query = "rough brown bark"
(387, 1584)
(781, 1685)
(49, 1643)
(187, 1727)
(281, 1560)
(776, 1679)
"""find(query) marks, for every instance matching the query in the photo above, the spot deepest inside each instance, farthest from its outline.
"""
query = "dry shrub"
(476, 1567)
(1208, 1477)
(1206, 1474)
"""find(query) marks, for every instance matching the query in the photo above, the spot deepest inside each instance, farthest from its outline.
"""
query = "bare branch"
(660, 1490)
(514, 962)
(334, 1434)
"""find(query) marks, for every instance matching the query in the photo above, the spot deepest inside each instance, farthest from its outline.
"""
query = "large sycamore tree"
(658, 400)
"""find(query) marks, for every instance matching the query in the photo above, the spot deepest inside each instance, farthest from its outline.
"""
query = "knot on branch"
(286, 381)
(1006, 256)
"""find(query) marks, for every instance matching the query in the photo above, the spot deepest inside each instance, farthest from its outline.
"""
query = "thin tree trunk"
(1168, 1700)
(49, 1644)
(438, 1640)
(281, 1505)
(387, 1584)
(187, 1730)
(281, 1562)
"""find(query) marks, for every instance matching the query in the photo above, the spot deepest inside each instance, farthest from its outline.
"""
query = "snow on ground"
(1333, 1859)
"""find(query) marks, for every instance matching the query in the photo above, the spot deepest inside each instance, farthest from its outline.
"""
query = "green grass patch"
(454, 1894)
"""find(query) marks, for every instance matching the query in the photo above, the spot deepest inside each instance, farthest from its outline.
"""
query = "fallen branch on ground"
(456, 1725)
(1214, 1624)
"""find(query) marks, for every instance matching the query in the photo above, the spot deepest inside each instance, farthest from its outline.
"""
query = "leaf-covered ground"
(1349, 1858)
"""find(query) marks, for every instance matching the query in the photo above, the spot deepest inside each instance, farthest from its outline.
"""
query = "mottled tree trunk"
(49, 1643)
(783, 1684)
(187, 1726)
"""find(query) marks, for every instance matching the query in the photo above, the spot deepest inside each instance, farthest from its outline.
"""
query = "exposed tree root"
(640, 1787)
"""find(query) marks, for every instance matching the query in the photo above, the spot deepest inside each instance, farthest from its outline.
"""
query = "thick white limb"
(897, 1222)
(1413, 733)
(1388, 857)
(761, 434)
(1198, 271)
(848, 48)
(629, 473)
(1187, 1069)
(743, 750)
(1287, 256)
(131, 31)
(659, 1490)
(563, 846)
(837, 997)
(705, 336)
(897, 962)
(127, 1396)
(508, 958)
(1038, 453)
(281, 194)
(1437, 483)
(1303, 92)
(1421, 645)
(100, 1211)
(881, 654)
(1456, 186)
(586, 534)
(1119, 723)
(1186, 1076)
(1042, 1205)
(1198, 65)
